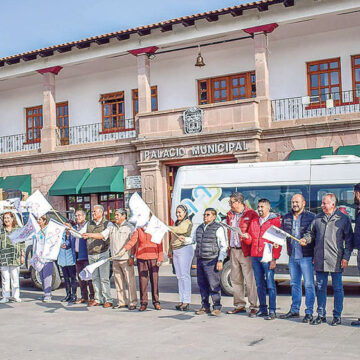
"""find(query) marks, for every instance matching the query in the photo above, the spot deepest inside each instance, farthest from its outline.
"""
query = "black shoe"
(355, 323)
(308, 318)
(72, 299)
(66, 298)
(271, 316)
(261, 314)
(178, 306)
(318, 320)
(336, 321)
(290, 315)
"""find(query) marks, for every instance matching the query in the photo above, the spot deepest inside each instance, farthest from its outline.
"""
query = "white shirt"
(262, 220)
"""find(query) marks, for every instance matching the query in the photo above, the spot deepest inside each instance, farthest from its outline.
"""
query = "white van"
(202, 186)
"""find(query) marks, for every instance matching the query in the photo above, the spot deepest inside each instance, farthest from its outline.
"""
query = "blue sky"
(32, 24)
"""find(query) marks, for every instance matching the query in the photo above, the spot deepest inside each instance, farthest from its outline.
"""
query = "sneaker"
(18, 300)
(261, 314)
(308, 318)
(271, 316)
(355, 323)
(318, 320)
(4, 300)
(202, 311)
(215, 312)
(46, 300)
(336, 321)
(290, 315)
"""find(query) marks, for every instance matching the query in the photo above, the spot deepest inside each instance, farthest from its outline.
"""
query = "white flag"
(78, 234)
(267, 253)
(53, 238)
(17, 204)
(86, 273)
(37, 204)
(22, 234)
(140, 212)
(157, 229)
(275, 235)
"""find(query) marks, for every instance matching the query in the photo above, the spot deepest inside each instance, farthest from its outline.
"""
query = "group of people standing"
(322, 243)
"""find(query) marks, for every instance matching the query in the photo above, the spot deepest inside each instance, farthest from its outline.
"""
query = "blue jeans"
(264, 278)
(208, 279)
(321, 286)
(299, 268)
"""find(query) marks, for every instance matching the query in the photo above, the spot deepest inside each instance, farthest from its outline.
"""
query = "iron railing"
(336, 103)
(15, 143)
(89, 133)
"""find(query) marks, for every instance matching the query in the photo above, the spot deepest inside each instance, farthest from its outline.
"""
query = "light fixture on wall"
(199, 59)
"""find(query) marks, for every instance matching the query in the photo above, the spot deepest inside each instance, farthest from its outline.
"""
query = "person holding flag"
(12, 256)
(183, 254)
(149, 257)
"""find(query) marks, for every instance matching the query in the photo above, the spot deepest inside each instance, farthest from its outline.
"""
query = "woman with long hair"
(12, 256)
(182, 253)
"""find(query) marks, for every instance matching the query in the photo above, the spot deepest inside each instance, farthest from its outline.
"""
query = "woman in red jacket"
(264, 271)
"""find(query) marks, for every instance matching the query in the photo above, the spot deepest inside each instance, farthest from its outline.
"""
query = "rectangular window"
(62, 119)
(78, 202)
(113, 112)
(154, 100)
(227, 88)
(324, 81)
(111, 202)
(355, 65)
(34, 123)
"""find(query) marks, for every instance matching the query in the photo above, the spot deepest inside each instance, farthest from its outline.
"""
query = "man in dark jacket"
(357, 232)
(86, 287)
(211, 250)
(297, 222)
(329, 231)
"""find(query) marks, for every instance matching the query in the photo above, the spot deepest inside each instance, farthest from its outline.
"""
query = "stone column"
(48, 132)
(260, 34)
(143, 77)
(144, 87)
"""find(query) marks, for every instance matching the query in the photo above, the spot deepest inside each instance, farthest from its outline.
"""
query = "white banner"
(140, 212)
(86, 273)
(37, 204)
(53, 238)
(22, 234)
(275, 235)
(157, 229)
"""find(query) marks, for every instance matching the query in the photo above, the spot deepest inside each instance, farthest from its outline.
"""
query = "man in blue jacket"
(86, 287)
(297, 222)
(357, 232)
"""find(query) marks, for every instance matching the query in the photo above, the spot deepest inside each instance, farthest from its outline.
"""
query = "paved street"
(33, 330)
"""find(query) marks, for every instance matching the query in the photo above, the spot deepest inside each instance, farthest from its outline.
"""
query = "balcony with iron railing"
(337, 103)
(73, 135)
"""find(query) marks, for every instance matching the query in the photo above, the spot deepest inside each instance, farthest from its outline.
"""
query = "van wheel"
(56, 280)
(225, 280)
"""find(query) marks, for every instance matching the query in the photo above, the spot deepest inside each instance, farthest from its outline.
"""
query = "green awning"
(69, 182)
(104, 180)
(1, 181)
(310, 154)
(349, 150)
(19, 182)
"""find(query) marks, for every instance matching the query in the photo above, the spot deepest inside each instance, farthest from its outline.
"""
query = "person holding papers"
(239, 217)
(123, 266)
(149, 257)
(264, 271)
(183, 254)
(11, 257)
(297, 222)
(332, 235)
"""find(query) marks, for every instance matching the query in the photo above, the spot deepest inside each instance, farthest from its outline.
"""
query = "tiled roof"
(164, 26)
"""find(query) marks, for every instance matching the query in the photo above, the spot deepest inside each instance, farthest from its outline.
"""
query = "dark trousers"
(208, 279)
(146, 269)
(69, 273)
(85, 294)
